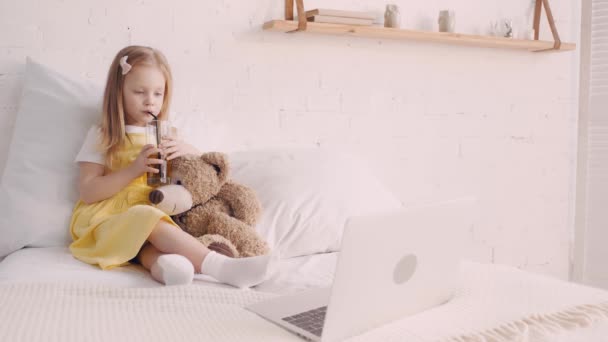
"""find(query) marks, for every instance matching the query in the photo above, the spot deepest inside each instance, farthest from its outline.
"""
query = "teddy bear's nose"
(156, 196)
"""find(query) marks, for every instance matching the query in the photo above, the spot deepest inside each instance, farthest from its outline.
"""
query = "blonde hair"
(113, 115)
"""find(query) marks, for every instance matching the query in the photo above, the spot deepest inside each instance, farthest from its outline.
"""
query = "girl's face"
(143, 92)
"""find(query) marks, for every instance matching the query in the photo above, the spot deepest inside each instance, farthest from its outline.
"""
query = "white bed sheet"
(56, 264)
(301, 273)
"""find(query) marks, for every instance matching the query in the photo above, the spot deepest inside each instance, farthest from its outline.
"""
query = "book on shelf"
(340, 13)
(340, 20)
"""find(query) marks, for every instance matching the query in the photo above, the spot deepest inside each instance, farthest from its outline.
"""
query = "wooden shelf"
(423, 36)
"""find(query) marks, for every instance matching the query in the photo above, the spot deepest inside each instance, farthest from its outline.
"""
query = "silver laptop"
(390, 266)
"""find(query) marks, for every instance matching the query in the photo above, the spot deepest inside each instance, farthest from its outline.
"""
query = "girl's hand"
(143, 162)
(173, 148)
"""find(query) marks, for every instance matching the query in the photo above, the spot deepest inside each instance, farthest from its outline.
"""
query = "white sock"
(239, 272)
(173, 269)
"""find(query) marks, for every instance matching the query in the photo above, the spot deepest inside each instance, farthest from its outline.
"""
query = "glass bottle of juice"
(156, 130)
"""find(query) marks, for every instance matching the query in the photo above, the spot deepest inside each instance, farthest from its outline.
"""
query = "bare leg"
(147, 255)
(168, 239)
(168, 269)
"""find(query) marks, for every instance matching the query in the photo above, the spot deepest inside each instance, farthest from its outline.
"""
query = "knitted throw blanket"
(495, 303)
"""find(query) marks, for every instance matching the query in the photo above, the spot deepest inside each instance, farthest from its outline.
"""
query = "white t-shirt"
(91, 152)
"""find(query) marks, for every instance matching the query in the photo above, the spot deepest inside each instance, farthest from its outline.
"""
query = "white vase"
(392, 18)
(503, 28)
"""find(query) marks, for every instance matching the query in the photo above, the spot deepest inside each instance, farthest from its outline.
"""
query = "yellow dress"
(111, 232)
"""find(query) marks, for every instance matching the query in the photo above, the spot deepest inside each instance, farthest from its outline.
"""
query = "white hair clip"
(124, 65)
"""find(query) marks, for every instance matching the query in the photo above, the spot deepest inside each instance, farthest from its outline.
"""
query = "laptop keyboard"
(311, 321)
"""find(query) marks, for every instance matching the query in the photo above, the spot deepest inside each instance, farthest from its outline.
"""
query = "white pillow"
(38, 189)
(307, 195)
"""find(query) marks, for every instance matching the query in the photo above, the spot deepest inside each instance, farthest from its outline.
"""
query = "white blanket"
(496, 303)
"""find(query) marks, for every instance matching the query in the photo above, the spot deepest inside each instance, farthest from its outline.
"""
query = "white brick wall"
(437, 121)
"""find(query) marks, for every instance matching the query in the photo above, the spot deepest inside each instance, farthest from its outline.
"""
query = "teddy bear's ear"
(219, 162)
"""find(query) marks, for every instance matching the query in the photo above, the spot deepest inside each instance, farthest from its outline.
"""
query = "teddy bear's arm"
(196, 220)
(242, 201)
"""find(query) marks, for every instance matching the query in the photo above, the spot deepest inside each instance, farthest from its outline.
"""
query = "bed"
(45, 294)
(307, 195)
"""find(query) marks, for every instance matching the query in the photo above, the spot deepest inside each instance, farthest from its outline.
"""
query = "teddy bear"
(219, 212)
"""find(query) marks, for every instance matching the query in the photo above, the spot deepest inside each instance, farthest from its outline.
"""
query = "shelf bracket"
(301, 14)
(537, 12)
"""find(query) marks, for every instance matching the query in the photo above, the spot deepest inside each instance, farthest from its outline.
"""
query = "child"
(113, 222)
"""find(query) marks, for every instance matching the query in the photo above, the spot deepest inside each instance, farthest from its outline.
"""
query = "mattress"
(56, 264)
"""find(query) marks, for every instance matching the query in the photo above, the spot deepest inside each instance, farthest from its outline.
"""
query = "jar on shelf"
(447, 21)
